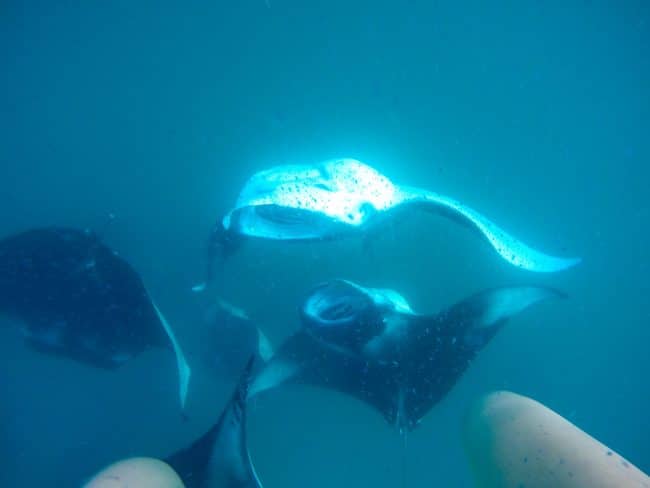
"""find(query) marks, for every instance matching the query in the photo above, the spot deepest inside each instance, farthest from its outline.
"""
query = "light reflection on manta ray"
(370, 344)
(345, 196)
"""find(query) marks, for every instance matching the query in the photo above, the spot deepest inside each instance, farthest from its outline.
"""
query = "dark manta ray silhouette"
(342, 197)
(231, 337)
(76, 298)
(370, 344)
(220, 457)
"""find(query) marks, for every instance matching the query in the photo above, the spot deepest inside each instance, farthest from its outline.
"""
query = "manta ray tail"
(507, 246)
(220, 457)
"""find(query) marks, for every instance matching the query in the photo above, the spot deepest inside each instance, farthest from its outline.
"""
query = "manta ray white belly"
(321, 201)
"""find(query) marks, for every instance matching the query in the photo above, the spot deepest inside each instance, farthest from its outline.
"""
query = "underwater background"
(155, 113)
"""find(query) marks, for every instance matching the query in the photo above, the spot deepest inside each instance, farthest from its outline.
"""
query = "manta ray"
(370, 344)
(220, 457)
(231, 338)
(344, 197)
(75, 297)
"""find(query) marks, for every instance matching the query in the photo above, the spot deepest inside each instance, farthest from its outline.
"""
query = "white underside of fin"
(342, 189)
(184, 371)
(507, 246)
(264, 347)
(275, 374)
(506, 302)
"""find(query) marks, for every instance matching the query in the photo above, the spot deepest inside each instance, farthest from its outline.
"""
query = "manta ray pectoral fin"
(441, 347)
(307, 360)
(286, 364)
(477, 318)
(278, 370)
(264, 347)
(507, 246)
(220, 457)
(499, 304)
(184, 371)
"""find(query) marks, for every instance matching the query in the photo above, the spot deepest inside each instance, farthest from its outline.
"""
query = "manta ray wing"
(441, 347)
(220, 457)
(507, 246)
(303, 359)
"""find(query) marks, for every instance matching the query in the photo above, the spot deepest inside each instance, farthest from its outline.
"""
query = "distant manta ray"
(342, 197)
(76, 298)
(231, 338)
(370, 344)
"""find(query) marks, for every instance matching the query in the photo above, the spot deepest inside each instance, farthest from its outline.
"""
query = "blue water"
(536, 113)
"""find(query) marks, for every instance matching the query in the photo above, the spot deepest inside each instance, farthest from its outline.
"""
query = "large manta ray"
(220, 457)
(344, 196)
(76, 298)
(370, 344)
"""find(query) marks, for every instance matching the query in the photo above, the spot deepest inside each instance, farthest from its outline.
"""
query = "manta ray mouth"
(335, 303)
(338, 311)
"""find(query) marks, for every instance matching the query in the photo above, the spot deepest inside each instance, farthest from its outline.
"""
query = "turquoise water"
(536, 113)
